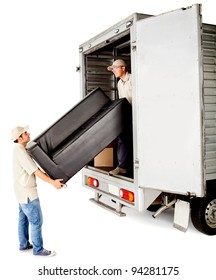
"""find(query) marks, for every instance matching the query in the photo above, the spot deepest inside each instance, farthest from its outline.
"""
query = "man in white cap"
(24, 171)
(119, 69)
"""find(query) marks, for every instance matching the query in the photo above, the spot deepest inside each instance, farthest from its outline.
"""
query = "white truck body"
(173, 65)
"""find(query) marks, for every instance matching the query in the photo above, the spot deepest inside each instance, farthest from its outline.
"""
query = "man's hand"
(57, 184)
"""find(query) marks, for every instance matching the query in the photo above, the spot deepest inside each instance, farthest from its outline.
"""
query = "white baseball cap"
(17, 131)
(117, 63)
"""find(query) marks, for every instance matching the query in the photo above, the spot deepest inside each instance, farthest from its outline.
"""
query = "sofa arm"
(45, 162)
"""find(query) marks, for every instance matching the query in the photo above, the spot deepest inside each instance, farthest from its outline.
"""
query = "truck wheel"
(203, 214)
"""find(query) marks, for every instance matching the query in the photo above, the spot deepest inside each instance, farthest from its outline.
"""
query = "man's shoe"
(45, 253)
(29, 247)
(118, 171)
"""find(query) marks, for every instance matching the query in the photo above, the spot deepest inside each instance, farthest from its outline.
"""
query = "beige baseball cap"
(117, 63)
(17, 131)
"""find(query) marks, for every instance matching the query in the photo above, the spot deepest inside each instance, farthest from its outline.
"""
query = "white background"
(39, 43)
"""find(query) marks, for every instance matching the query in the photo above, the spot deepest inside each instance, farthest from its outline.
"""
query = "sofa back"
(52, 137)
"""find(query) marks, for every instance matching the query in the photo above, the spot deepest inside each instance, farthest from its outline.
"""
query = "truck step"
(107, 207)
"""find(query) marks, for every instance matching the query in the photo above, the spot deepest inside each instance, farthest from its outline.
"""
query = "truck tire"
(203, 214)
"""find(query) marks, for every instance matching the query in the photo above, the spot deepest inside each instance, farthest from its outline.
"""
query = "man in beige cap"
(119, 69)
(24, 171)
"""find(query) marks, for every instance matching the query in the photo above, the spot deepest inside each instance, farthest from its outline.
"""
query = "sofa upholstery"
(79, 135)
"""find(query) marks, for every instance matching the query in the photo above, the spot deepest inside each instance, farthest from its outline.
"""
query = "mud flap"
(181, 215)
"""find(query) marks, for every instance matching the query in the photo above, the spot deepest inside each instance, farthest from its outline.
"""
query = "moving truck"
(172, 58)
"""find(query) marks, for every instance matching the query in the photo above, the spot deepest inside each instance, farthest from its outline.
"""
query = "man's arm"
(56, 183)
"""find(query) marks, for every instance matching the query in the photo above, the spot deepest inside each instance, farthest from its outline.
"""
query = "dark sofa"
(79, 135)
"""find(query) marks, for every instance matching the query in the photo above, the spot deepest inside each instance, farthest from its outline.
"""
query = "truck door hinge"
(136, 163)
(133, 46)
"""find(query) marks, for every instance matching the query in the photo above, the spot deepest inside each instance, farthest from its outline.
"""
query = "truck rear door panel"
(169, 101)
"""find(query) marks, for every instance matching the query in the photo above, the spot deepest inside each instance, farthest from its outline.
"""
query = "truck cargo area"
(96, 74)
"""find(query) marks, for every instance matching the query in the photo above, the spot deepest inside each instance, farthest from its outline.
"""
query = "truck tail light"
(93, 182)
(127, 195)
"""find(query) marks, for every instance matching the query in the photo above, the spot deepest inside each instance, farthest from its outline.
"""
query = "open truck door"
(169, 101)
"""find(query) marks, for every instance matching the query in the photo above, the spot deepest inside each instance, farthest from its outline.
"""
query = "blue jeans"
(30, 213)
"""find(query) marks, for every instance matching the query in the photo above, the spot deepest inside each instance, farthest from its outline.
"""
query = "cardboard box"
(104, 158)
